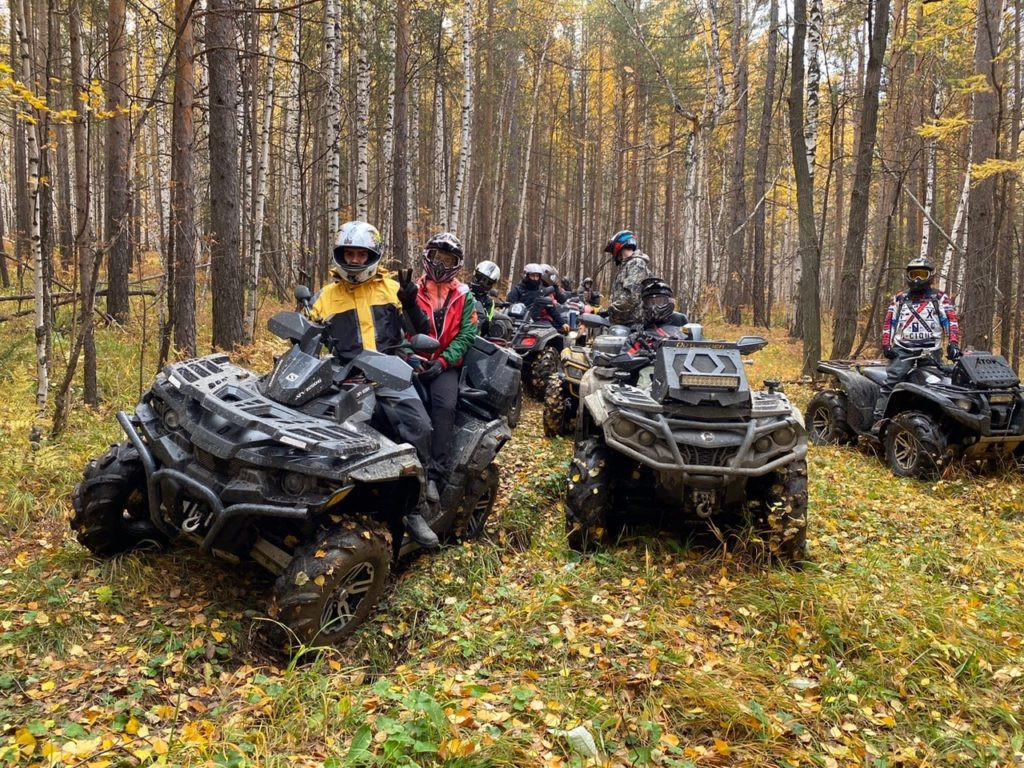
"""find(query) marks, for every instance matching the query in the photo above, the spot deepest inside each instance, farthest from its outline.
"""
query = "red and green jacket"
(450, 317)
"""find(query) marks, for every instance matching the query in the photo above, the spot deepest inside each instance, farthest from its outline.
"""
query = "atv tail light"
(529, 341)
(709, 381)
(1001, 399)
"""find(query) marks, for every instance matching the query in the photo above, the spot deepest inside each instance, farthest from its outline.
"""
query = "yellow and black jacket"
(363, 316)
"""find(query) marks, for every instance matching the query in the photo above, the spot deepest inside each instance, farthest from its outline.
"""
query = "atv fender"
(861, 395)
(907, 396)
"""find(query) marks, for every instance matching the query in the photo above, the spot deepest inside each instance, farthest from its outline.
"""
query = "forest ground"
(900, 643)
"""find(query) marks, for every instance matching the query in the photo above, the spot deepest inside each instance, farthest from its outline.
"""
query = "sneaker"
(433, 497)
(420, 531)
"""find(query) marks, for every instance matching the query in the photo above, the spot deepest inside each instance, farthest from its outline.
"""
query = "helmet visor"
(919, 273)
(657, 301)
(445, 258)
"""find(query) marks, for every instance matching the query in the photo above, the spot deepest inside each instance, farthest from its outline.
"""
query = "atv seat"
(875, 373)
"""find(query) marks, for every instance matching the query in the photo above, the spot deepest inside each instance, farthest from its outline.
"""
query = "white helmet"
(532, 269)
(487, 273)
(358, 234)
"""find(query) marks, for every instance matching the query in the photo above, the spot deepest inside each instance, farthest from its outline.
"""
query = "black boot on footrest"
(420, 531)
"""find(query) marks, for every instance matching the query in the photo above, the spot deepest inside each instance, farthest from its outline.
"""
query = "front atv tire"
(915, 446)
(558, 420)
(545, 365)
(332, 584)
(827, 421)
(515, 411)
(110, 511)
(588, 500)
(782, 512)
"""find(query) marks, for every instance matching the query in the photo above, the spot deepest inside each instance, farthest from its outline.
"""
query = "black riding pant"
(897, 371)
(443, 394)
(405, 413)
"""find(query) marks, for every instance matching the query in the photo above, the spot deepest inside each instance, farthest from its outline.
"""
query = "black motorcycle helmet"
(657, 300)
(919, 274)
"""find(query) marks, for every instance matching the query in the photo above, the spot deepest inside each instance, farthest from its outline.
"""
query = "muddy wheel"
(558, 420)
(331, 585)
(781, 516)
(110, 510)
(826, 420)
(915, 446)
(588, 500)
(545, 365)
(479, 500)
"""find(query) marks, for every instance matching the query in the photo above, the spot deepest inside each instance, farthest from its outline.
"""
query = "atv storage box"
(490, 378)
(984, 372)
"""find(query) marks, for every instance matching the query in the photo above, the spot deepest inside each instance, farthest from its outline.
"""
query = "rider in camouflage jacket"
(633, 268)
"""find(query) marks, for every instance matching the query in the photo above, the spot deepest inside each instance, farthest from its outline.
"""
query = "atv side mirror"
(594, 321)
(492, 293)
(423, 344)
(750, 344)
(302, 294)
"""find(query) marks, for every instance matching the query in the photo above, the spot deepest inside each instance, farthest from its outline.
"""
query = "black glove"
(888, 353)
(407, 289)
(953, 351)
(431, 370)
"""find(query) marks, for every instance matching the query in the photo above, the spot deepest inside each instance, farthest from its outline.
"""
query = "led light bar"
(709, 381)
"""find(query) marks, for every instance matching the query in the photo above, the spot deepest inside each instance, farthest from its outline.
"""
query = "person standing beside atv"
(589, 296)
(915, 321)
(661, 321)
(448, 315)
(529, 291)
(485, 277)
(362, 309)
(633, 268)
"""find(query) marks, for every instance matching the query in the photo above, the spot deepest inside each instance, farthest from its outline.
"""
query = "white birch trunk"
(716, 59)
(333, 111)
(931, 161)
(815, 21)
(388, 161)
(440, 164)
(466, 138)
(412, 222)
(538, 76)
(362, 115)
(261, 175)
(32, 151)
(295, 209)
(959, 232)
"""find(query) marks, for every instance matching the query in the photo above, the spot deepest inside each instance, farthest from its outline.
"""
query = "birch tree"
(330, 68)
(466, 135)
(118, 208)
(362, 114)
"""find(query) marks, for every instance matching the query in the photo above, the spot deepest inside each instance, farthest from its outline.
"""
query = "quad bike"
(539, 344)
(684, 440)
(562, 394)
(500, 332)
(290, 470)
(973, 409)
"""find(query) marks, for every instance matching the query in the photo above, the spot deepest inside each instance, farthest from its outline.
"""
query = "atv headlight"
(708, 381)
(963, 403)
(1003, 398)
(171, 419)
(763, 444)
(646, 438)
(783, 436)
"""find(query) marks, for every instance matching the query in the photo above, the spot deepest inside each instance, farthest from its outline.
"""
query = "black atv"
(562, 393)
(973, 409)
(539, 344)
(290, 470)
(684, 440)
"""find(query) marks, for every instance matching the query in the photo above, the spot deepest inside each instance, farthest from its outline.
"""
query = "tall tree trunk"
(808, 243)
(931, 167)
(466, 136)
(440, 164)
(815, 22)
(262, 167)
(738, 205)
(980, 258)
(225, 256)
(332, 107)
(183, 308)
(25, 52)
(844, 326)
(362, 114)
(116, 230)
(400, 190)
(761, 166)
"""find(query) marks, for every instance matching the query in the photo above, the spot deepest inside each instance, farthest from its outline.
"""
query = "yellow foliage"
(993, 167)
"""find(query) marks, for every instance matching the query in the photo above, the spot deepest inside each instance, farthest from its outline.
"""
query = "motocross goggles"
(657, 301)
(445, 258)
(919, 273)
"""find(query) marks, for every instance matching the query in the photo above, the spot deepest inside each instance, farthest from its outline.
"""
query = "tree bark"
(400, 189)
(844, 326)
(225, 256)
(738, 204)
(466, 135)
(808, 243)
(362, 114)
(183, 307)
(761, 166)
(116, 231)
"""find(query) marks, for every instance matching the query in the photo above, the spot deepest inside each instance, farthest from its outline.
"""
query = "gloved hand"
(431, 370)
(953, 351)
(407, 289)
(888, 353)
(565, 329)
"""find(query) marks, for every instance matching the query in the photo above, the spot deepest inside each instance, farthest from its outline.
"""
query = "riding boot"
(420, 531)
